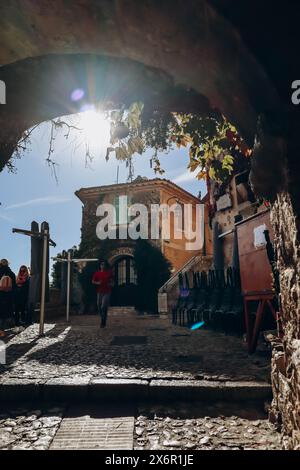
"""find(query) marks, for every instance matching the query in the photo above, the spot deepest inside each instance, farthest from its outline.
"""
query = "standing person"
(7, 287)
(21, 295)
(103, 280)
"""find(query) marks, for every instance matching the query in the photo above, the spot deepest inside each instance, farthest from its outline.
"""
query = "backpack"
(5, 284)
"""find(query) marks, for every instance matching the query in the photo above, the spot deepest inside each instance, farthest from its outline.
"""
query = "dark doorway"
(125, 285)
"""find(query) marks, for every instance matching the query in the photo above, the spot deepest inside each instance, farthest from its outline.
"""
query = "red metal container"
(256, 273)
(255, 269)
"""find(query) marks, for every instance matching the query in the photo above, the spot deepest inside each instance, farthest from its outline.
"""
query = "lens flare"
(197, 325)
(77, 94)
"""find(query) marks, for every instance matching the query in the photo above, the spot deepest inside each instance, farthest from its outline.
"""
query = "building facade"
(120, 252)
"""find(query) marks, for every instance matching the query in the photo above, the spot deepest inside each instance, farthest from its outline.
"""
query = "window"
(122, 203)
(132, 273)
(122, 272)
(125, 272)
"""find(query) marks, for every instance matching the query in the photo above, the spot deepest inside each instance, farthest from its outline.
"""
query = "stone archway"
(199, 48)
(191, 42)
(119, 253)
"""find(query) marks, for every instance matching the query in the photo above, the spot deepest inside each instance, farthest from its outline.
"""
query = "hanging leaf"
(121, 153)
(201, 175)
(116, 115)
(193, 165)
(108, 151)
(120, 131)
(212, 173)
(134, 115)
(227, 163)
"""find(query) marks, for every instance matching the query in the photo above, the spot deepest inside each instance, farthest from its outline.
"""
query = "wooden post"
(43, 287)
(68, 285)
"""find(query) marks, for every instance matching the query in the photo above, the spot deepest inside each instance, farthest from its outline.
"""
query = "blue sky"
(34, 194)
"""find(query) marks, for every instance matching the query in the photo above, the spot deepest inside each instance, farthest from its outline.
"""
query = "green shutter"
(117, 208)
(129, 202)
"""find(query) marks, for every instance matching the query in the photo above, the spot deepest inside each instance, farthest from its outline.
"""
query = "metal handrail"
(182, 270)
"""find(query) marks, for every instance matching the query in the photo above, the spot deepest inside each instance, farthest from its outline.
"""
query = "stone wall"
(54, 308)
(286, 353)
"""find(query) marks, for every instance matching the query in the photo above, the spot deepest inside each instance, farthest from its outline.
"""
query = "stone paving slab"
(92, 427)
(89, 433)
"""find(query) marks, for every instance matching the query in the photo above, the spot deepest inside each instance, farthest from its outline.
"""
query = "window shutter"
(117, 209)
(129, 203)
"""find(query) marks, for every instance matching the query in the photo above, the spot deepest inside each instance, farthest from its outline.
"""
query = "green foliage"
(56, 275)
(213, 142)
(125, 130)
(85, 279)
(209, 146)
(153, 270)
(156, 129)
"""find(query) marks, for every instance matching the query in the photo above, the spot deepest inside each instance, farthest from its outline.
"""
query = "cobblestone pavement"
(159, 428)
(82, 349)
(29, 429)
(170, 429)
(140, 348)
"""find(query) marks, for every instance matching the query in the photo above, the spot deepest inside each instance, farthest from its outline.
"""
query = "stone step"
(122, 312)
(95, 389)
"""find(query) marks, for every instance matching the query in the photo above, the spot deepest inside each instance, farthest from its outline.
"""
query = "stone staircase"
(122, 312)
(169, 292)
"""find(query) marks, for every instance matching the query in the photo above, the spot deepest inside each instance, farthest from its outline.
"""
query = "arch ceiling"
(180, 55)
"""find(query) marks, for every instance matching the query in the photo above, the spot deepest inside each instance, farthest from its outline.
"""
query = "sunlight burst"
(95, 127)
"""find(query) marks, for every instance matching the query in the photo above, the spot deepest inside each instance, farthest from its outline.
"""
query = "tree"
(56, 275)
(213, 142)
(153, 270)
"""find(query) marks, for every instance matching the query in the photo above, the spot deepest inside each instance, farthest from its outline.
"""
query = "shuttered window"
(122, 216)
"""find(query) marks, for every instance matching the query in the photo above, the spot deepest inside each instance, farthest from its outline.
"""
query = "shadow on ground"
(137, 350)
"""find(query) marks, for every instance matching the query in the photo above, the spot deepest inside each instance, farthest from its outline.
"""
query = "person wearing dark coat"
(6, 297)
(21, 295)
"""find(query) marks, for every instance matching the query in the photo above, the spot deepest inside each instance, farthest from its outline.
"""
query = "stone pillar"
(286, 356)
(275, 176)
(162, 304)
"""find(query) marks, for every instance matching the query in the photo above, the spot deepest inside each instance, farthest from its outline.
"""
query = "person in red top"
(103, 280)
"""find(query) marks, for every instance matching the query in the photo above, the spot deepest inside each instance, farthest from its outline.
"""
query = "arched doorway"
(125, 282)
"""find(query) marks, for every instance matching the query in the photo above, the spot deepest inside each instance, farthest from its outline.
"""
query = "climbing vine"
(213, 141)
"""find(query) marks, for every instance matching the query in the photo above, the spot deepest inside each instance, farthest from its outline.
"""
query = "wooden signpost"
(44, 236)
